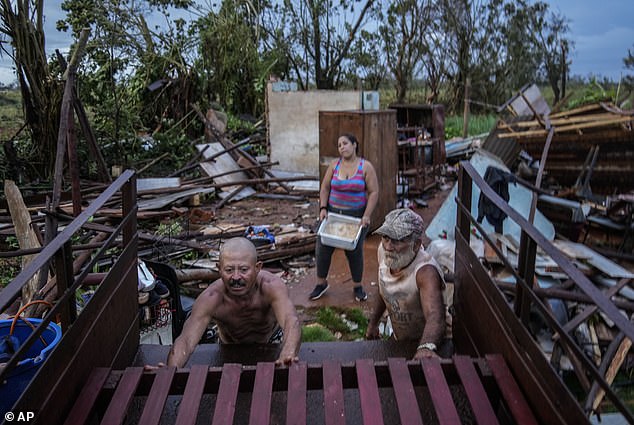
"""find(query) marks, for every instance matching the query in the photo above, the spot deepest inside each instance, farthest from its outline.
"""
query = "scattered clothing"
(499, 181)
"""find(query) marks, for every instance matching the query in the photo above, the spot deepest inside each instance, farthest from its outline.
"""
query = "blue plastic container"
(20, 376)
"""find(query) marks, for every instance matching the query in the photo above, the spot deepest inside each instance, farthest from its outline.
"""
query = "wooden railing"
(502, 325)
(105, 333)
(447, 391)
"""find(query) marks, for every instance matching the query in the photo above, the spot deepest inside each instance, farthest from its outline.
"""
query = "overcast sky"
(603, 31)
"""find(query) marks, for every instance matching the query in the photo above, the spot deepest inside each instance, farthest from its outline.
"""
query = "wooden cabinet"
(376, 132)
(421, 140)
(412, 119)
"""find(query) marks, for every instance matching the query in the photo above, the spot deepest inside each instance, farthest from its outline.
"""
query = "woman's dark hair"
(353, 140)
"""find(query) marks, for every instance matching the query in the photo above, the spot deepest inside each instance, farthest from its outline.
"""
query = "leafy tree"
(317, 38)
(404, 38)
(22, 39)
(134, 77)
(435, 56)
(230, 56)
(459, 20)
(551, 40)
(370, 67)
(502, 45)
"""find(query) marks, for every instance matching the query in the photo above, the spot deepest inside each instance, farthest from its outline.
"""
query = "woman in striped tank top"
(349, 187)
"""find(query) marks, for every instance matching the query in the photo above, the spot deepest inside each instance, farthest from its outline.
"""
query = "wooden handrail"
(469, 176)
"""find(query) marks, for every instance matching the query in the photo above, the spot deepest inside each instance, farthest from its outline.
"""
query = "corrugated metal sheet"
(505, 149)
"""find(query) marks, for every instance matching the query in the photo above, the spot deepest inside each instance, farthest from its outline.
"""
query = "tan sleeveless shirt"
(400, 293)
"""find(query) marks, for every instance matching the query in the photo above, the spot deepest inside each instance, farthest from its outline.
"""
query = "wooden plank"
(439, 391)
(122, 397)
(158, 395)
(188, 410)
(612, 369)
(561, 129)
(333, 393)
(510, 390)
(296, 399)
(227, 394)
(476, 394)
(90, 392)
(404, 392)
(261, 396)
(369, 392)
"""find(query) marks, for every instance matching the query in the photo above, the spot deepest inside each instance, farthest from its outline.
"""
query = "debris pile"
(570, 174)
(179, 216)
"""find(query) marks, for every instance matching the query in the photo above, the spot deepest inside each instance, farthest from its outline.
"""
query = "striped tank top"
(350, 193)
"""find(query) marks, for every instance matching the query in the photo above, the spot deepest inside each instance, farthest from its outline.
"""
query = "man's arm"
(377, 312)
(430, 291)
(286, 316)
(194, 327)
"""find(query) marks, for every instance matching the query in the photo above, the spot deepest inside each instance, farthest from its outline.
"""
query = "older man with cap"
(410, 285)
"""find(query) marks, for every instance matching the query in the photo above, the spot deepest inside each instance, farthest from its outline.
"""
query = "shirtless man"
(410, 285)
(249, 305)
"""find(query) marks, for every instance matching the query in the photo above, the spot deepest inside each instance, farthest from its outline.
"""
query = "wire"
(21, 310)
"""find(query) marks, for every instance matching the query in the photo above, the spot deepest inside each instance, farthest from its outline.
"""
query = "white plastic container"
(340, 231)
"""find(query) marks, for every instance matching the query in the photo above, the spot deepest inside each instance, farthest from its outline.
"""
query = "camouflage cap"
(401, 223)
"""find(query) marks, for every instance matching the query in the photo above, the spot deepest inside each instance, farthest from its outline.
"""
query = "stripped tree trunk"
(25, 234)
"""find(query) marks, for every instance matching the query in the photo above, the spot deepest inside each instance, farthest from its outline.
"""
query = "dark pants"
(323, 253)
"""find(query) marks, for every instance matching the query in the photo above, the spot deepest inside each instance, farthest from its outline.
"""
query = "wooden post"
(465, 115)
(65, 113)
(73, 161)
(563, 70)
(102, 170)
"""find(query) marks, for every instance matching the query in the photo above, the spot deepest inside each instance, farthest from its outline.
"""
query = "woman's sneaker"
(359, 294)
(319, 290)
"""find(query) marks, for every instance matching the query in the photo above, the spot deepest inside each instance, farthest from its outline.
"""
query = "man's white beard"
(397, 261)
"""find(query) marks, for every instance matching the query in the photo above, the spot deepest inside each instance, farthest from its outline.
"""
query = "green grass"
(337, 324)
(478, 124)
(9, 269)
(356, 315)
(316, 333)
(330, 319)
(10, 113)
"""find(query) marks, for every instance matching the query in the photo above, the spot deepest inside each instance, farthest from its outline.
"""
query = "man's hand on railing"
(286, 359)
(151, 368)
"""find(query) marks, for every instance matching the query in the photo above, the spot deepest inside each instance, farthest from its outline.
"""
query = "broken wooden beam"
(202, 180)
(25, 235)
(565, 295)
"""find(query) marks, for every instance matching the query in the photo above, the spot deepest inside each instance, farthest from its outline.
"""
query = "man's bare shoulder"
(270, 283)
(213, 294)
(428, 276)
(268, 279)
